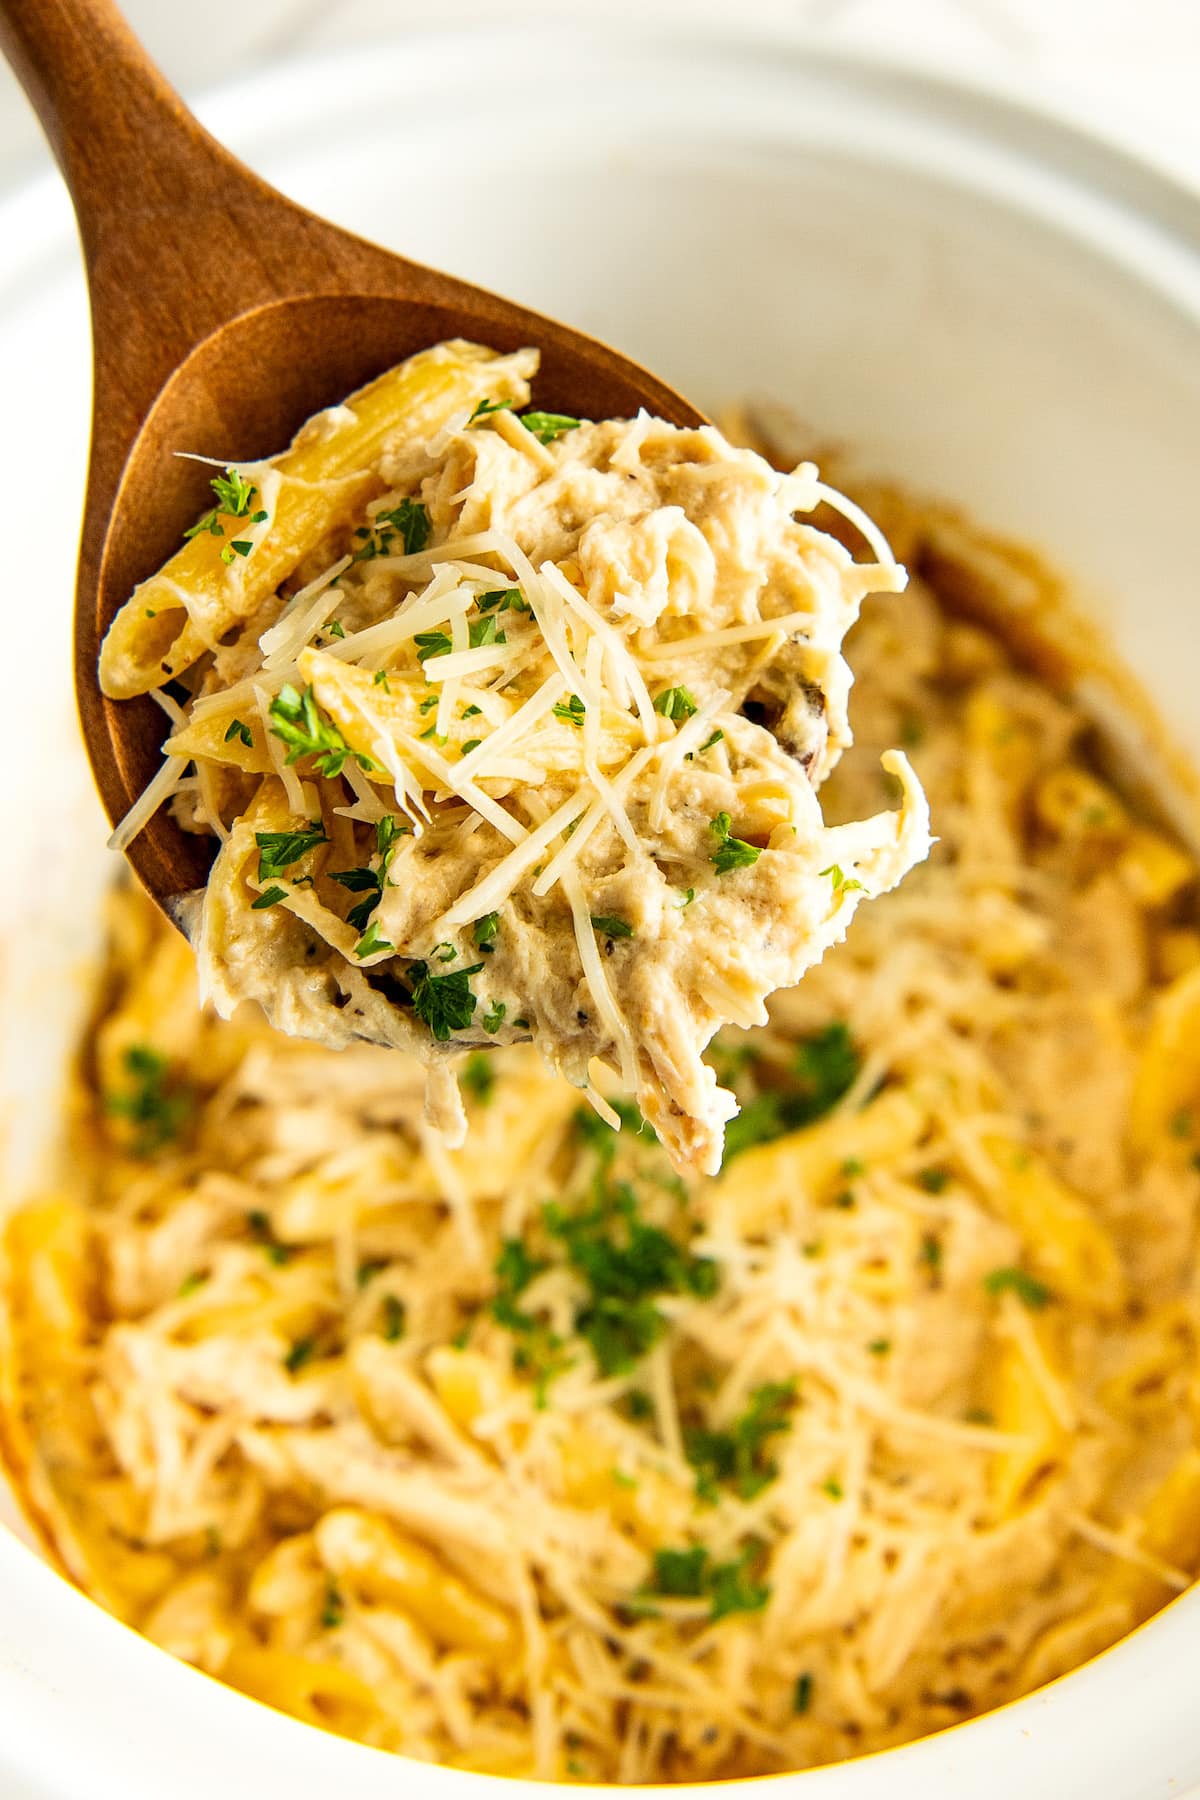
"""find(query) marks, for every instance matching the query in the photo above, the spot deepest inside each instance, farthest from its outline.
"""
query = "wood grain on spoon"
(223, 316)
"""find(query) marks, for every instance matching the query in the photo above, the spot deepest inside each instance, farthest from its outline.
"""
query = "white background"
(1132, 66)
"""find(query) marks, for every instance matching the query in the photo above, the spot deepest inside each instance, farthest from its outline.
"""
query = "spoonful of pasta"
(498, 685)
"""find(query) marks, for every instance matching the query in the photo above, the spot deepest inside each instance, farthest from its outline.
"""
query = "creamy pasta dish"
(535, 1456)
(510, 726)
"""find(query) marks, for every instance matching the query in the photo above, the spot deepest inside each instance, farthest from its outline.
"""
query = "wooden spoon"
(223, 315)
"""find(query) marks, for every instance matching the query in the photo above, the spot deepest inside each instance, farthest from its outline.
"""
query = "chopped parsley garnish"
(432, 643)
(571, 711)
(367, 881)
(493, 1018)
(380, 679)
(879, 1346)
(367, 1271)
(409, 520)
(445, 953)
(387, 830)
(443, 1002)
(468, 712)
(486, 932)
(933, 1180)
(734, 1589)
(611, 926)
(502, 600)
(824, 1068)
(1028, 1289)
(191, 1283)
(333, 1610)
(301, 1352)
(157, 1106)
(833, 1488)
(675, 703)
(428, 704)
(688, 1574)
(716, 738)
(680, 1573)
(238, 729)
(738, 1455)
(269, 897)
(482, 632)
(235, 497)
(840, 883)
(547, 426)
(471, 744)
(336, 629)
(307, 731)
(395, 1318)
(478, 1076)
(539, 1350)
(488, 406)
(360, 881)
(260, 1227)
(626, 1264)
(209, 522)
(234, 493)
(687, 899)
(371, 943)
(802, 1694)
(434, 735)
(278, 850)
(931, 1251)
(731, 852)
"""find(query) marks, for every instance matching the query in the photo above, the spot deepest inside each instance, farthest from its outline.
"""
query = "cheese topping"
(532, 1458)
(570, 685)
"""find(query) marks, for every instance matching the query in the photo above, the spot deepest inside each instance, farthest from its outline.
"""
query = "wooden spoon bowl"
(223, 316)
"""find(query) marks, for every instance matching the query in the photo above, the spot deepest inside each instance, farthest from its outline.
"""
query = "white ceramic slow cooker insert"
(985, 302)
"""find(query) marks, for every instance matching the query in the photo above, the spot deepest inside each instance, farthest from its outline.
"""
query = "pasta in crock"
(531, 1457)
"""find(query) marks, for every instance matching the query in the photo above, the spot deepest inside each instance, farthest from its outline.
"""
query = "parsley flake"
(675, 703)
(486, 931)
(503, 600)
(234, 492)
(840, 883)
(547, 426)
(482, 632)
(737, 1455)
(155, 1105)
(278, 850)
(1028, 1289)
(571, 711)
(307, 731)
(611, 926)
(395, 1318)
(443, 1002)
(371, 943)
(269, 897)
(239, 730)
(478, 1076)
(731, 852)
(432, 643)
(301, 1352)
(488, 406)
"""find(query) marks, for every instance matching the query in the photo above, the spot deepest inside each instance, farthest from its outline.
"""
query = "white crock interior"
(980, 300)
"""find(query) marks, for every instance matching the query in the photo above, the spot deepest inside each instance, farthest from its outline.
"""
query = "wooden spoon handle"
(178, 236)
(130, 152)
